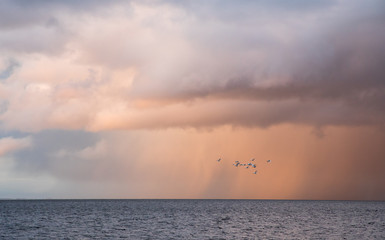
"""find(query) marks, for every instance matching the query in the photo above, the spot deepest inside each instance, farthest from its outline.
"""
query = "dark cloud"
(336, 64)
(261, 114)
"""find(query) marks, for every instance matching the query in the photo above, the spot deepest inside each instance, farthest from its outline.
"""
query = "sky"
(138, 99)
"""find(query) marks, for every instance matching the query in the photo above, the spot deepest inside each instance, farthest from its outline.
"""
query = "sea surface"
(191, 219)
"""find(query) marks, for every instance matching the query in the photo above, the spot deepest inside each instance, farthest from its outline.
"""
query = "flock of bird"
(248, 165)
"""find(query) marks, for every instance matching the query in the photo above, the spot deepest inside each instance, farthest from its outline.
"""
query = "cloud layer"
(113, 62)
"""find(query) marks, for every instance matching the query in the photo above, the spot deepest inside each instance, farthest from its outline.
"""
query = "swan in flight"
(252, 164)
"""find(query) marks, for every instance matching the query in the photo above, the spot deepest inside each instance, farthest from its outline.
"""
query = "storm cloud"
(299, 55)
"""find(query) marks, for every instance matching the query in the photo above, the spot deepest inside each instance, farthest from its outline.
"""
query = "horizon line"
(254, 199)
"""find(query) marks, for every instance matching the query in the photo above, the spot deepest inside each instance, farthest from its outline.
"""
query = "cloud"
(23, 14)
(42, 27)
(10, 145)
(168, 64)
(47, 144)
(11, 65)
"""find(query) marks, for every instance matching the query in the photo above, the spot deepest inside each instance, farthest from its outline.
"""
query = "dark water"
(191, 219)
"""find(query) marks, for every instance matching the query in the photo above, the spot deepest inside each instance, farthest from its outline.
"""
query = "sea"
(191, 219)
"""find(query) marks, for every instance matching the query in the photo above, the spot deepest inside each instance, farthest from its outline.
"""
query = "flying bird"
(247, 165)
